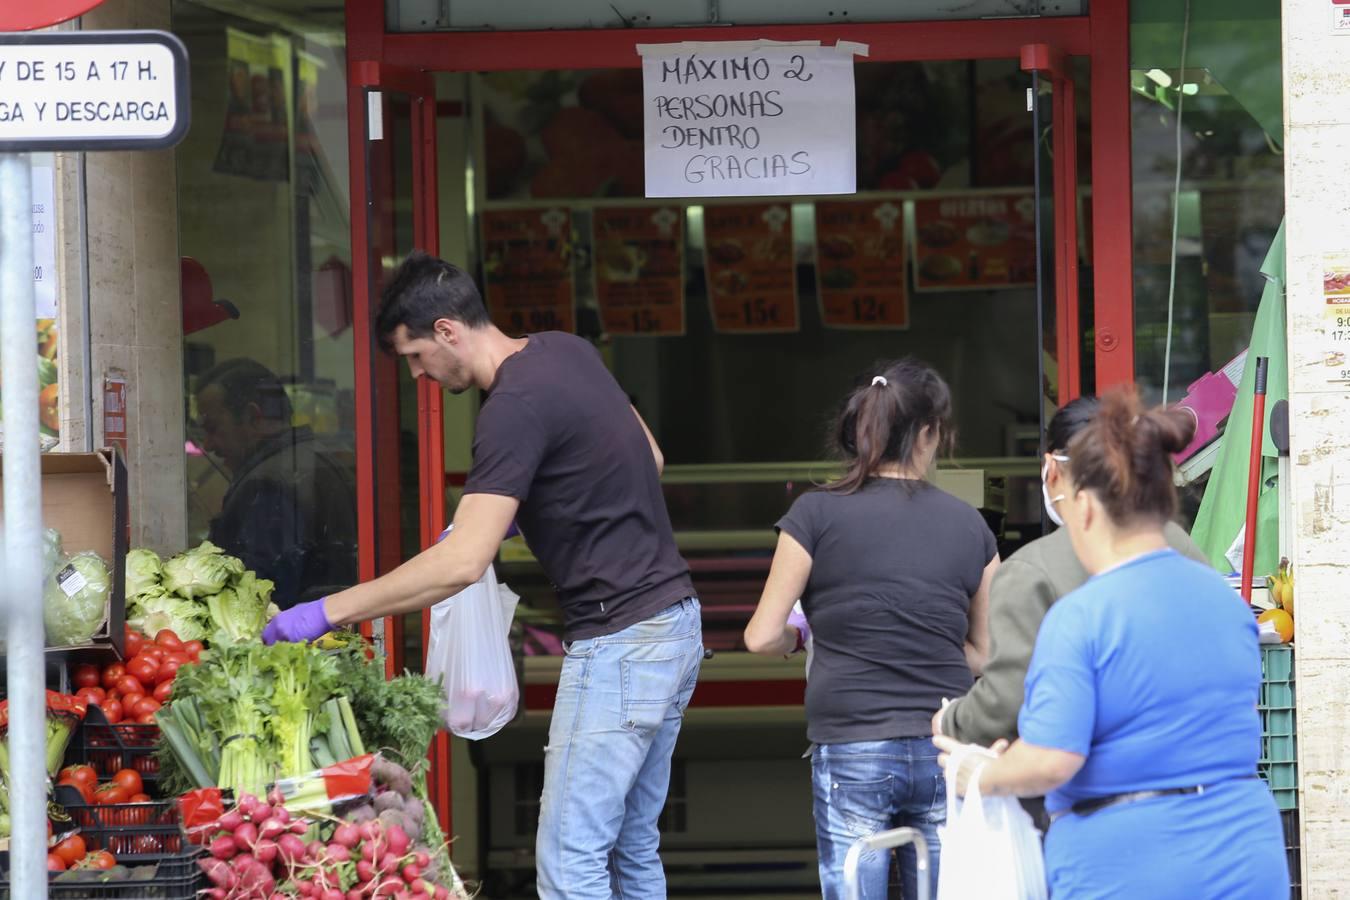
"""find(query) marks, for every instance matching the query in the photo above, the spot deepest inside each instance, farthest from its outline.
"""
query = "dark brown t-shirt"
(893, 568)
(558, 434)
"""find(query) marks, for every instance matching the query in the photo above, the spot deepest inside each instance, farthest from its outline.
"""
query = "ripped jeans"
(865, 787)
(621, 701)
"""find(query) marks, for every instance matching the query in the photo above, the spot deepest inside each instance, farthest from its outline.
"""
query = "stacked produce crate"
(1278, 764)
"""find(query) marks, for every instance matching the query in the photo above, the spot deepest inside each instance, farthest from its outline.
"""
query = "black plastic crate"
(161, 886)
(108, 747)
(1289, 819)
(139, 833)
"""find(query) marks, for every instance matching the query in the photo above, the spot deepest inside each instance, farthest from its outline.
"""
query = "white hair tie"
(879, 380)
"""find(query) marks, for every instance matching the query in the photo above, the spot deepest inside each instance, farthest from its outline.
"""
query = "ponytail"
(1124, 455)
(884, 416)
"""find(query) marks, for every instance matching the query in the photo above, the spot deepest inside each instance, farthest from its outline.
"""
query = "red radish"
(365, 870)
(217, 894)
(245, 836)
(304, 888)
(247, 804)
(217, 872)
(317, 849)
(291, 847)
(282, 815)
(347, 835)
(299, 826)
(332, 894)
(271, 829)
(399, 842)
(266, 851)
(369, 831)
(242, 862)
(422, 858)
(231, 820)
(338, 853)
(411, 873)
(441, 893)
(368, 851)
(223, 847)
(354, 894)
(276, 797)
(389, 863)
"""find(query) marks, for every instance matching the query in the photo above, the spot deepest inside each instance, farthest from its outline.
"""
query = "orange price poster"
(752, 277)
(975, 242)
(639, 269)
(527, 267)
(860, 264)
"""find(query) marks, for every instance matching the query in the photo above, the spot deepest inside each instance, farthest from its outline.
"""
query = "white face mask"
(1045, 493)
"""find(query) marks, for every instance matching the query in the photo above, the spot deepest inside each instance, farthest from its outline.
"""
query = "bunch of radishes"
(259, 852)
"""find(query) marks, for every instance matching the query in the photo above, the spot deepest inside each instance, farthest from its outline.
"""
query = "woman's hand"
(970, 762)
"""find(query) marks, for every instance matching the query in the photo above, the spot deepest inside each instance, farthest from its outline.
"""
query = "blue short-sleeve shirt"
(1152, 671)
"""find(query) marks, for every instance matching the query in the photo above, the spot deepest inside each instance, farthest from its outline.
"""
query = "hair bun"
(1169, 430)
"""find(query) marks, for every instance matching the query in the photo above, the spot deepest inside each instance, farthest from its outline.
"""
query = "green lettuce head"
(75, 600)
(143, 573)
(239, 614)
(156, 609)
(200, 572)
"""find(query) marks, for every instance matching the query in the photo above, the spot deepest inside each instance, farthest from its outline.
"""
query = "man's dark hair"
(244, 382)
(424, 289)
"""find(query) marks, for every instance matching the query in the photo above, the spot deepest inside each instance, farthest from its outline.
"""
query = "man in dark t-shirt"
(558, 449)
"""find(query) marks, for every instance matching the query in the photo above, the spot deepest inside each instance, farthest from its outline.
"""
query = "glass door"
(401, 497)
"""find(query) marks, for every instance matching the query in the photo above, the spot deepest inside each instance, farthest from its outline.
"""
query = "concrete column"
(1317, 185)
(135, 313)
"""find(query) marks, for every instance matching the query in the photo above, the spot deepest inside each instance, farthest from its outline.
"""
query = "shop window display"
(264, 231)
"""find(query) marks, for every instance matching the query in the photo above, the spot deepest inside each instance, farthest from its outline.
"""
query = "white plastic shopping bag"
(810, 640)
(469, 648)
(990, 847)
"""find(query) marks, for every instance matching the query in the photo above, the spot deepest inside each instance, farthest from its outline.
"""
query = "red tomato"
(100, 859)
(71, 850)
(168, 640)
(129, 684)
(85, 675)
(193, 649)
(143, 669)
(163, 691)
(129, 779)
(55, 863)
(111, 793)
(113, 674)
(153, 651)
(170, 667)
(147, 718)
(113, 710)
(80, 775)
(144, 706)
(140, 798)
(92, 696)
(130, 700)
(134, 641)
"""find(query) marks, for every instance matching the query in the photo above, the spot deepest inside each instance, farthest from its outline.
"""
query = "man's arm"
(651, 439)
(440, 571)
(1019, 598)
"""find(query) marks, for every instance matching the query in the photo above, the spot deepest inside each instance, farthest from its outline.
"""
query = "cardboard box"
(84, 496)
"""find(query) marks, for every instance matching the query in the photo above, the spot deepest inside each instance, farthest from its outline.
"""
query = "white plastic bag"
(469, 648)
(991, 850)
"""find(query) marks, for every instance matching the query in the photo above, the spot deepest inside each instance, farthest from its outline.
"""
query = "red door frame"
(376, 57)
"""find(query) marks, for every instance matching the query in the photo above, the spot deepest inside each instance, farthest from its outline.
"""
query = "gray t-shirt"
(893, 569)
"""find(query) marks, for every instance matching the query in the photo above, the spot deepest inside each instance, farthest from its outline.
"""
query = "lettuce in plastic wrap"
(75, 600)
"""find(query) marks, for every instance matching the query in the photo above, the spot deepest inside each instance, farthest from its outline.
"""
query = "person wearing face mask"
(1027, 584)
(1140, 720)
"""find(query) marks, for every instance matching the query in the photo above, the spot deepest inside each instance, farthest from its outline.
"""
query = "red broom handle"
(1254, 477)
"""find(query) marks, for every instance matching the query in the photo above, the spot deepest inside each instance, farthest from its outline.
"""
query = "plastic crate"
(162, 886)
(1278, 764)
(109, 747)
(1289, 820)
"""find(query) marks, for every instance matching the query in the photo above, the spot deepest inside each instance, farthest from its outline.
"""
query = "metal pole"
(23, 534)
(883, 841)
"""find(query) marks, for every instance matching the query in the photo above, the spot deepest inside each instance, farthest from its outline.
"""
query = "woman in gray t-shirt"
(893, 574)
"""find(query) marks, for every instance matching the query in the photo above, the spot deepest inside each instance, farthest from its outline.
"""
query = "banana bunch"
(1281, 587)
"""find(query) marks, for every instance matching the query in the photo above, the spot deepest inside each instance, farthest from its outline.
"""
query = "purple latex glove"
(798, 621)
(302, 622)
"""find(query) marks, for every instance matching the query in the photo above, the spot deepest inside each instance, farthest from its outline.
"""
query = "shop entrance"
(970, 131)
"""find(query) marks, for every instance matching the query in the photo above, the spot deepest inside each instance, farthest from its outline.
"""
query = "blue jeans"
(870, 786)
(621, 700)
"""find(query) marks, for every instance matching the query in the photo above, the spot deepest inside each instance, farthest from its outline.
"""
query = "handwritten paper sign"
(638, 254)
(90, 90)
(977, 241)
(527, 267)
(860, 264)
(748, 118)
(748, 262)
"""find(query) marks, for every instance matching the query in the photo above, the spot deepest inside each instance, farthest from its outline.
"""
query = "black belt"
(1088, 807)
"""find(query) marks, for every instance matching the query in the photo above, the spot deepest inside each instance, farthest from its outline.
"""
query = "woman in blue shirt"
(1140, 718)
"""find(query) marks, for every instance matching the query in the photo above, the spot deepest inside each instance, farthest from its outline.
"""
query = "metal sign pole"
(26, 669)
